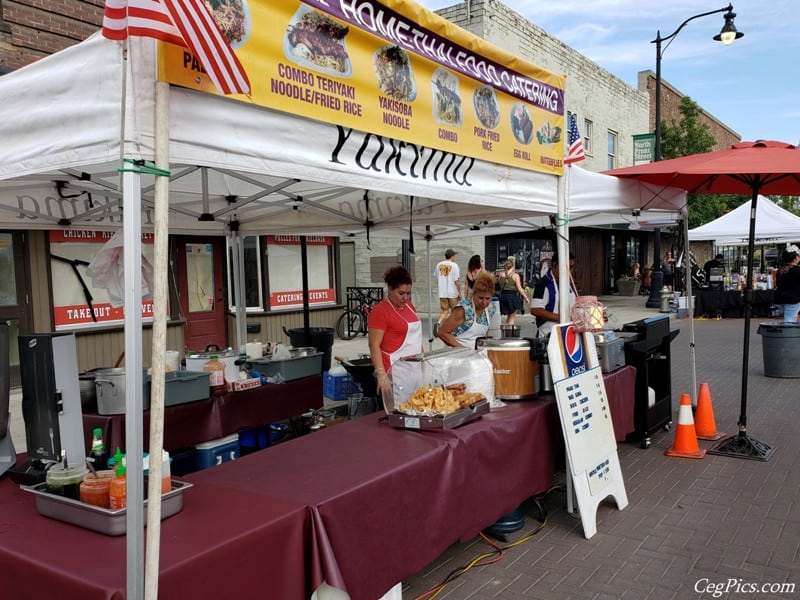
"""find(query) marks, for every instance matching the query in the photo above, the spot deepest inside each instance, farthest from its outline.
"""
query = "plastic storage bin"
(780, 343)
(290, 368)
(216, 452)
(180, 387)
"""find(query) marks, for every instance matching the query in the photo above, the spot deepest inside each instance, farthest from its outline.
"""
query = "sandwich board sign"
(592, 459)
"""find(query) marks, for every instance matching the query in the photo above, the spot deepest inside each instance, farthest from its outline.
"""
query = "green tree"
(688, 136)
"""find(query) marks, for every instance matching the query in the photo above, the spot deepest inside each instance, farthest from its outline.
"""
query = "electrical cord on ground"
(495, 555)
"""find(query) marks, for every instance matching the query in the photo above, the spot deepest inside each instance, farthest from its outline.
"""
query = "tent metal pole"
(430, 286)
(304, 267)
(132, 236)
(687, 265)
(237, 256)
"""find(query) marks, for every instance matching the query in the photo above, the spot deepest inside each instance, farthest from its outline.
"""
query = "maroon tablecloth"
(225, 543)
(386, 502)
(197, 422)
(359, 505)
(620, 391)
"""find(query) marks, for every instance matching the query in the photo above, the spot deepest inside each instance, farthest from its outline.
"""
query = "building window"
(285, 272)
(587, 137)
(612, 150)
(252, 275)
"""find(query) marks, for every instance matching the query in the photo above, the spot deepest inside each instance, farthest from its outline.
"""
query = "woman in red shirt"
(395, 330)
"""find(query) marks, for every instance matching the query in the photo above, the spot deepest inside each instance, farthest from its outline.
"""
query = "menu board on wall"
(390, 68)
(77, 303)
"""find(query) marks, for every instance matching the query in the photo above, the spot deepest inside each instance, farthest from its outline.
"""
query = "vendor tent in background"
(774, 225)
(762, 167)
(81, 138)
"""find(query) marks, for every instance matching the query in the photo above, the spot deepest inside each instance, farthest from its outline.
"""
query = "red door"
(201, 290)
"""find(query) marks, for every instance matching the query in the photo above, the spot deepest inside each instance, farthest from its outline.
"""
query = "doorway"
(14, 299)
(201, 294)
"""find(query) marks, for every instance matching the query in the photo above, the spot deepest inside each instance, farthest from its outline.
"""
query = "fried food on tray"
(440, 400)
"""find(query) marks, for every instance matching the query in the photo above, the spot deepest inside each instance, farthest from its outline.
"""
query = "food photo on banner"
(372, 68)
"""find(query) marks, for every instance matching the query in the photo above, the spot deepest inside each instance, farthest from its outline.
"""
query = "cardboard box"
(216, 452)
(247, 384)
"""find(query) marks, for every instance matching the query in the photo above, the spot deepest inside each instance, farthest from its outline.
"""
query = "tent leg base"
(742, 446)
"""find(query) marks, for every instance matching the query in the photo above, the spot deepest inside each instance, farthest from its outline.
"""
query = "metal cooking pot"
(88, 391)
(510, 331)
(196, 360)
(110, 391)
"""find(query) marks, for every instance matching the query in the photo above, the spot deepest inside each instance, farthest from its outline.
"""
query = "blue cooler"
(216, 452)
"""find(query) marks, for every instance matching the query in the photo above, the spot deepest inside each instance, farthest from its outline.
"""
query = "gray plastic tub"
(781, 346)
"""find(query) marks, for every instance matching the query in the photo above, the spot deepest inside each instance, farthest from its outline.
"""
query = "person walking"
(474, 267)
(447, 275)
(511, 291)
(787, 294)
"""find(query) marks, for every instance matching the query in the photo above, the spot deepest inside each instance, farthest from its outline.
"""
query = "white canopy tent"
(774, 225)
(71, 121)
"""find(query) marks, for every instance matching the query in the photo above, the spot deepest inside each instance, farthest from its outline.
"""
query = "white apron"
(406, 375)
(475, 331)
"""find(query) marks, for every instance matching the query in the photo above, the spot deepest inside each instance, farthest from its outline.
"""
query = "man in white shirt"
(447, 274)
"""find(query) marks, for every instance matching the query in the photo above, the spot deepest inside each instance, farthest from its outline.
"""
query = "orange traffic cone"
(705, 426)
(685, 444)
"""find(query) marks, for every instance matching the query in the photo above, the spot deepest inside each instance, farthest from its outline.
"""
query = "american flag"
(185, 23)
(575, 151)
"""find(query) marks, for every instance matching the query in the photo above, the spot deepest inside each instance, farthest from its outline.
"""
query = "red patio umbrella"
(761, 167)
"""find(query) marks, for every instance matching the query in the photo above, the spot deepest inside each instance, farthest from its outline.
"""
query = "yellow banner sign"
(390, 68)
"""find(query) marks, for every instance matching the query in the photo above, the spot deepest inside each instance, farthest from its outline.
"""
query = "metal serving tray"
(439, 422)
(103, 520)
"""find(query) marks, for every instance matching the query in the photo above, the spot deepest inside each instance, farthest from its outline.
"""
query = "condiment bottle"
(118, 488)
(95, 488)
(98, 453)
(166, 477)
(216, 375)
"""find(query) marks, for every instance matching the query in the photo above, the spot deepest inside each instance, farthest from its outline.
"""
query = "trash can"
(781, 345)
(320, 338)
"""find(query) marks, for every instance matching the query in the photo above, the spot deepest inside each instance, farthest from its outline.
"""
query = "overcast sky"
(753, 85)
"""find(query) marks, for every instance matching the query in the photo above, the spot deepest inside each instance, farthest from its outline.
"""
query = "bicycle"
(353, 321)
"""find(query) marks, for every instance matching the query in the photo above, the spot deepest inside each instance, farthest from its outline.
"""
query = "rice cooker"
(515, 364)
(196, 360)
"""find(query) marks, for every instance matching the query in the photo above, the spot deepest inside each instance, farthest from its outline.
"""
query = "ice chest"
(290, 368)
(216, 452)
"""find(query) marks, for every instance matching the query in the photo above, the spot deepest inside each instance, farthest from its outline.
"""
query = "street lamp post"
(727, 35)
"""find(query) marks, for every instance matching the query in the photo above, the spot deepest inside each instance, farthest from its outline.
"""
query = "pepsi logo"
(573, 345)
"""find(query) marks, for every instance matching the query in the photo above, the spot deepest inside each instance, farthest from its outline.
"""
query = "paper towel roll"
(254, 349)
(651, 397)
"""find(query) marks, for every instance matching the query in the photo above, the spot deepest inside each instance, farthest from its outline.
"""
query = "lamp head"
(728, 33)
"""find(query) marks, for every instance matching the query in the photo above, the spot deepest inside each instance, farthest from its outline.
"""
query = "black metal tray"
(439, 422)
